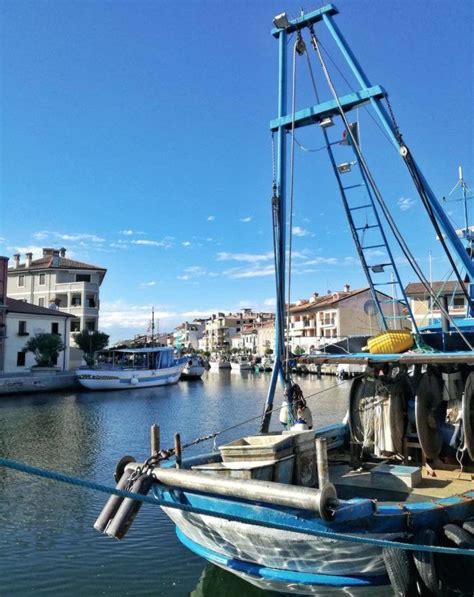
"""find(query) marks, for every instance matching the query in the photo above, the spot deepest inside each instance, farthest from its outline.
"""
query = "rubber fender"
(361, 389)
(400, 570)
(425, 561)
(458, 536)
(121, 465)
(430, 411)
(469, 526)
(468, 415)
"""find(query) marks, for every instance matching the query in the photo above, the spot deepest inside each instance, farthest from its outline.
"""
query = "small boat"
(267, 365)
(194, 368)
(133, 368)
(220, 364)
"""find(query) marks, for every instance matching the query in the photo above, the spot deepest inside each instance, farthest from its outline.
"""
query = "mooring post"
(177, 449)
(155, 441)
(322, 459)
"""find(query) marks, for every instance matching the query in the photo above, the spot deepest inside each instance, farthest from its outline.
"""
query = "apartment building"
(187, 335)
(336, 315)
(56, 282)
(221, 328)
(426, 311)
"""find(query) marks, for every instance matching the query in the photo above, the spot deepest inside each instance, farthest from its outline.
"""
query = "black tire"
(425, 561)
(458, 536)
(400, 570)
(430, 411)
(120, 466)
(469, 526)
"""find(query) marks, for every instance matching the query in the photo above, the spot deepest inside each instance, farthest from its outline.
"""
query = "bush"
(46, 348)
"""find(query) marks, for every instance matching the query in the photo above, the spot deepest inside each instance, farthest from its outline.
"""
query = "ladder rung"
(373, 247)
(360, 207)
(367, 227)
(382, 283)
(401, 301)
(353, 186)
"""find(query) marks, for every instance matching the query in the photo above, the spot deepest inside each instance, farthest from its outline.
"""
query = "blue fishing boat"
(384, 501)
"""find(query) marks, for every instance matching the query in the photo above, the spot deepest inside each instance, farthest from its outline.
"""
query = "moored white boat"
(133, 368)
(194, 367)
(220, 364)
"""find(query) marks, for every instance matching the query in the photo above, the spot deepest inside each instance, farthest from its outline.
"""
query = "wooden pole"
(155, 440)
(177, 449)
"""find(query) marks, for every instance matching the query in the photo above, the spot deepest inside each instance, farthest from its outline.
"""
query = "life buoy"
(134, 380)
(430, 413)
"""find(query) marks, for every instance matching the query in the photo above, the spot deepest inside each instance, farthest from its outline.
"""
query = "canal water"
(47, 543)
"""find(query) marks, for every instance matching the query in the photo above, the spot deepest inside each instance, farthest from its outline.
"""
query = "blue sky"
(136, 135)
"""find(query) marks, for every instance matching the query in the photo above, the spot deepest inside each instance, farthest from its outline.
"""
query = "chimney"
(16, 260)
(47, 252)
(55, 262)
(346, 287)
(28, 259)
(62, 252)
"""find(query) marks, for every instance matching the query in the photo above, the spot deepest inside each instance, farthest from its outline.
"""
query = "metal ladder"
(371, 242)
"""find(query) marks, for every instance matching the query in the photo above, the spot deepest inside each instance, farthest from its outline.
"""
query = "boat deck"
(445, 484)
(405, 358)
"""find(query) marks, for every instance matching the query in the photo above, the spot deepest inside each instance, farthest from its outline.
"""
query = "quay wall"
(11, 384)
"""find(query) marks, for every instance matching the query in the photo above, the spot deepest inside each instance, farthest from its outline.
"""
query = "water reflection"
(47, 544)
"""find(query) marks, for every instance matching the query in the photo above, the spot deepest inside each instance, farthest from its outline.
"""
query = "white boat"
(241, 364)
(221, 363)
(133, 368)
(194, 368)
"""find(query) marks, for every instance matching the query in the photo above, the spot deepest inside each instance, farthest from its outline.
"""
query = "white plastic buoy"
(134, 381)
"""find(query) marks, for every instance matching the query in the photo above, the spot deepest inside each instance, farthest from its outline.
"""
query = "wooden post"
(177, 449)
(155, 441)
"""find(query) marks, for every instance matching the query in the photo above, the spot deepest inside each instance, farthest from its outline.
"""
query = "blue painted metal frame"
(330, 108)
(307, 19)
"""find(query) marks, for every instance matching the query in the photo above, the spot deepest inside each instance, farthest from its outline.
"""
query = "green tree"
(298, 350)
(90, 342)
(46, 348)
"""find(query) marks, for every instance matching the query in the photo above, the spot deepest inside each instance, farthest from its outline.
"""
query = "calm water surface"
(47, 543)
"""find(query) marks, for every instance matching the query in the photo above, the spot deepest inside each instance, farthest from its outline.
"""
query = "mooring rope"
(86, 484)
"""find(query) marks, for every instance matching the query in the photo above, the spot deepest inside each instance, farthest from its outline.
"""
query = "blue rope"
(62, 478)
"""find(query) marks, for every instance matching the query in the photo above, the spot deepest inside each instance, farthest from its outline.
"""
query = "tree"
(90, 342)
(298, 350)
(46, 348)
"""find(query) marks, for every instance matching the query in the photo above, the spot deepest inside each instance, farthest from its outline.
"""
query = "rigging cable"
(404, 247)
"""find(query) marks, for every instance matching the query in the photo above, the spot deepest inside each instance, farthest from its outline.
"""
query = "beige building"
(221, 328)
(426, 311)
(336, 315)
(56, 282)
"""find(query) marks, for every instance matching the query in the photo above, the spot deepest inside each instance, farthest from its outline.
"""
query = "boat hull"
(126, 379)
(194, 372)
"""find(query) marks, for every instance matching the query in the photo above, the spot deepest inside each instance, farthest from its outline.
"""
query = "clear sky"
(135, 134)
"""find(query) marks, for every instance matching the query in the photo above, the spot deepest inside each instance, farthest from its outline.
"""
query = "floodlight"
(345, 167)
(281, 21)
(326, 122)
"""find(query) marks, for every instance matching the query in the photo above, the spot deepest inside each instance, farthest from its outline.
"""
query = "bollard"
(322, 460)
(155, 440)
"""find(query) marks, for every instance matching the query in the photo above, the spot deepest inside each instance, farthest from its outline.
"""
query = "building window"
(76, 301)
(42, 279)
(21, 359)
(91, 301)
(21, 280)
(41, 302)
(22, 328)
(75, 325)
(83, 277)
(90, 325)
(458, 302)
(55, 328)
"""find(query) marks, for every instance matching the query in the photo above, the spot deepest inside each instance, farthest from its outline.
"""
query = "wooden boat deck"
(445, 484)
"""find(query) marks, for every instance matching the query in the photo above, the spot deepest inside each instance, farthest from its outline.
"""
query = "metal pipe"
(129, 508)
(112, 504)
(177, 449)
(155, 440)
(261, 491)
(322, 461)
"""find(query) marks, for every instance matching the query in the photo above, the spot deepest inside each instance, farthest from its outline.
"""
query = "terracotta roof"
(47, 263)
(14, 306)
(326, 300)
(447, 287)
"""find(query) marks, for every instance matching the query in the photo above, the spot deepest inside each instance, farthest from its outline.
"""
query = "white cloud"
(211, 218)
(126, 232)
(270, 302)
(121, 315)
(37, 251)
(209, 239)
(246, 220)
(186, 243)
(405, 203)
(183, 277)
(194, 271)
(147, 284)
(321, 261)
(246, 257)
(166, 243)
(255, 271)
(298, 231)
(72, 237)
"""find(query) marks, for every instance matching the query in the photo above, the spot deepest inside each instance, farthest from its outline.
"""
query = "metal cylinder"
(262, 491)
(322, 461)
(177, 449)
(155, 440)
(122, 521)
(112, 505)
